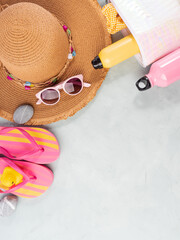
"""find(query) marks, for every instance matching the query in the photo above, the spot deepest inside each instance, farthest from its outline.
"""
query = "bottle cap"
(97, 64)
(143, 84)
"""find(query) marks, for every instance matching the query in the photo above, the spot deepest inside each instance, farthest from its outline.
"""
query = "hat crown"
(33, 45)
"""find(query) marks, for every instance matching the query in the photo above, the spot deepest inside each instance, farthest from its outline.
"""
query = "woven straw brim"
(89, 33)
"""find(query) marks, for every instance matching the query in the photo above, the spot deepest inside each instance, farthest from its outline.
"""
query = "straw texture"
(88, 27)
(89, 34)
(34, 46)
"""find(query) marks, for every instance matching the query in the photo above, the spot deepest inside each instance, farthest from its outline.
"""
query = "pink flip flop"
(28, 143)
(32, 179)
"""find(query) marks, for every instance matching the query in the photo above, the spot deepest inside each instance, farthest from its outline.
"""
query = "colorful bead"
(68, 31)
(70, 56)
(73, 53)
(65, 28)
(10, 77)
(28, 84)
(55, 80)
(27, 88)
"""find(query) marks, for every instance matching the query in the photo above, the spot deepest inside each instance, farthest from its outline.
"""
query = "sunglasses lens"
(50, 96)
(73, 86)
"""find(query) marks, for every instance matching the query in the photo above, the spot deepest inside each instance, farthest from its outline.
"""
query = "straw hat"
(41, 41)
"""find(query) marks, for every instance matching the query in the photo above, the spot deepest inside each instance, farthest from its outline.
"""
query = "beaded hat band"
(28, 85)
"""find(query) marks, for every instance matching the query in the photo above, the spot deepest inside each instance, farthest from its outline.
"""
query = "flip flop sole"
(15, 143)
(36, 187)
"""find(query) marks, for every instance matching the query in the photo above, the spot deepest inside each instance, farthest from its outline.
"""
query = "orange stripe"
(24, 140)
(21, 195)
(28, 192)
(14, 139)
(40, 129)
(41, 187)
(36, 134)
(48, 145)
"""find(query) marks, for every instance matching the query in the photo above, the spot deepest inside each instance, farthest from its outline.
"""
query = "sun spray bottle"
(116, 53)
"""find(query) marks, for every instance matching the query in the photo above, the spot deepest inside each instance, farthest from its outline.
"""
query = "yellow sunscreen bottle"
(116, 53)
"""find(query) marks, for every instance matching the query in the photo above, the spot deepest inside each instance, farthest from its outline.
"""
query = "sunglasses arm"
(38, 102)
(86, 84)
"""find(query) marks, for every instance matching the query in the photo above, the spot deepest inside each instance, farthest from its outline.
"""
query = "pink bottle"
(162, 73)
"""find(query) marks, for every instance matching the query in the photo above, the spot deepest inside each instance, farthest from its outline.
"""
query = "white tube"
(155, 24)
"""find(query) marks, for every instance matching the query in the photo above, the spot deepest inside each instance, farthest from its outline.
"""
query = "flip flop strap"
(19, 170)
(36, 147)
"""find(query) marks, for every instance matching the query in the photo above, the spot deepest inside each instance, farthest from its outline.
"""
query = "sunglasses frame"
(61, 86)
